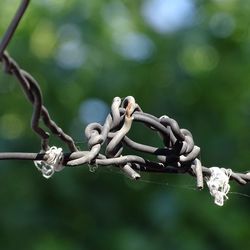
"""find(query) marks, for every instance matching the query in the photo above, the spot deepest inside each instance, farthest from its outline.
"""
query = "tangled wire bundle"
(177, 154)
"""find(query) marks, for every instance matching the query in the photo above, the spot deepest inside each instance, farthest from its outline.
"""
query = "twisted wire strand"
(33, 93)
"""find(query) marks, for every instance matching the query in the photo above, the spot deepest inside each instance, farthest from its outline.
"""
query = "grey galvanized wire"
(178, 153)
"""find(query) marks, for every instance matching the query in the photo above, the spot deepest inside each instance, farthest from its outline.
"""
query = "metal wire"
(178, 153)
(33, 94)
(13, 25)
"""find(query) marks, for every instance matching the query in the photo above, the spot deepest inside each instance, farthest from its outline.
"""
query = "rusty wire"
(177, 154)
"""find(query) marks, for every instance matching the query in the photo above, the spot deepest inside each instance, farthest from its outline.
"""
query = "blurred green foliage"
(193, 67)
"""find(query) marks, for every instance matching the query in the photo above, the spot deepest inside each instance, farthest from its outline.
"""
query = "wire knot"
(218, 184)
(52, 164)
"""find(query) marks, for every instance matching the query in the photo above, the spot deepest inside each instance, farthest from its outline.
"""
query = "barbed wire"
(178, 153)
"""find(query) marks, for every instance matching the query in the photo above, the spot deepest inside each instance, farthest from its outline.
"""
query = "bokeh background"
(184, 58)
